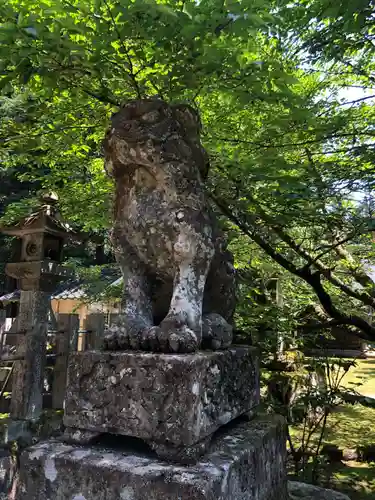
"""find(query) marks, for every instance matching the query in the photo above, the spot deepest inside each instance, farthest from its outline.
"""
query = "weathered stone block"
(303, 491)
(247, 463)
(177, 400)
(8, 468)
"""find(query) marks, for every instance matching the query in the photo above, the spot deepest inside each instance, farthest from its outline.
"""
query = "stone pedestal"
(173, 402)
(245, 463)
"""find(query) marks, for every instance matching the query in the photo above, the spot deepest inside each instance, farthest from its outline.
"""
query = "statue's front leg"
(181, 330)
(133, 328)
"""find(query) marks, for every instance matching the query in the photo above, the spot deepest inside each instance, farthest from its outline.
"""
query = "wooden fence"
(64, 336)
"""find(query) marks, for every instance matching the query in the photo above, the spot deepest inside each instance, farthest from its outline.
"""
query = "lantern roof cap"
(45, 220)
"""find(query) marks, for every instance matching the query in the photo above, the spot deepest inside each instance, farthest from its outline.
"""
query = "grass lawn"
(363, 373)
(354, 425)
(349, 427)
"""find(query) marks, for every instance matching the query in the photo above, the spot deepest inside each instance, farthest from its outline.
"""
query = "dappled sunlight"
(357, 480)
(364, 374)
(351, 426)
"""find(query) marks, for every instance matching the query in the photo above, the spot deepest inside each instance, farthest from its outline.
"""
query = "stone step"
(245, 463)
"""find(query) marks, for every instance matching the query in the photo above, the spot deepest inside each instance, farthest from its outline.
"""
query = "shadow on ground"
(355, 479)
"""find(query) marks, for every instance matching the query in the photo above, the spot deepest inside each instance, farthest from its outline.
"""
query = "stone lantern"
(42, 236)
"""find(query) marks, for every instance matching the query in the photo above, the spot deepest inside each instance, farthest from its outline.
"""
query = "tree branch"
(295, 144)
(358, 274)
(46, 132)
(101, 98)
(337, 244)
(366, 331)
(126, 51)
(362, 296)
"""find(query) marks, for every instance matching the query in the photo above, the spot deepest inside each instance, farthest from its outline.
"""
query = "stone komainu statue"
(178, 276)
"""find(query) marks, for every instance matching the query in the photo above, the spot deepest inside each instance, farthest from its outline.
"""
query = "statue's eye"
(151, 117)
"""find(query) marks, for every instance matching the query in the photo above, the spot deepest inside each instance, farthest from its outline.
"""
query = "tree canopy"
(285, 92)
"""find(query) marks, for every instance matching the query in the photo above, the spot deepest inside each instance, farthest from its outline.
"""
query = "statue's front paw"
(116, 338)
(173, 335)
(176, 336)
(216, 332)
(129, 334)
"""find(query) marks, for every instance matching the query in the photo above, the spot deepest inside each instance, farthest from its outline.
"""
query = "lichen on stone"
(178, 275)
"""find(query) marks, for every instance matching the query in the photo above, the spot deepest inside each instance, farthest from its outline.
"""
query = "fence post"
(3, 317)
(67, 325)
(94, 326)
(12, 337)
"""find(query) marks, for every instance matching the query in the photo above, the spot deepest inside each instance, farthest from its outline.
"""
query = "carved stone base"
(246, 463)
(78, 436)
(170, 401)
(184, 455)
